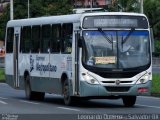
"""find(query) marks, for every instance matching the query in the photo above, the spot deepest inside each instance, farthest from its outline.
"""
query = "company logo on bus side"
(31, 63)
(40, 66)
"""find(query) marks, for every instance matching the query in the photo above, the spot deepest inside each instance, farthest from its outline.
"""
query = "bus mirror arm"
(80, 41)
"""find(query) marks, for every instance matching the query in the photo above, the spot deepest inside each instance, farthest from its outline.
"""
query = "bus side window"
(10, 38)
(67, 33)
(56, 37)
(26, 37)
(36, 39)
(46, 36)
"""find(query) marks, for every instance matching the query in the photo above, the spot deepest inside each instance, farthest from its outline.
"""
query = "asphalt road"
(14, 104)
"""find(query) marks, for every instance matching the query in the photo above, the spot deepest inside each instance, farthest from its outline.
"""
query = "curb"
(155, 94)
(2, 81)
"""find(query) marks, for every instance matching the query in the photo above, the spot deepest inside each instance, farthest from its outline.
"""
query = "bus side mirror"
(152, 40)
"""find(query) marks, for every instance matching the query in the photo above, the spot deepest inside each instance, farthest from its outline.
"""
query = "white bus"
(89, 55)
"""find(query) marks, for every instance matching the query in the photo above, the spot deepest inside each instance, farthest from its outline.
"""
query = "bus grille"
(117, 75)
(114, 82)
(117, 89)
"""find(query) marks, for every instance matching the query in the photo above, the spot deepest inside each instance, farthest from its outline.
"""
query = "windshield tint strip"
(120, 33)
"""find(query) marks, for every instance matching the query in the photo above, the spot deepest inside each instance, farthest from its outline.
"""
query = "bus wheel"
(31, 95)
(28, 92)
(129, 101)
(68, 100)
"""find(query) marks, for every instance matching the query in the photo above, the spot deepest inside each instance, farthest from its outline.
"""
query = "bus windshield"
(127, 50)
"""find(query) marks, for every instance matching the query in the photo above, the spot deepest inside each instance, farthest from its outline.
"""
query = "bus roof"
(45, 20)
(114, 13)
(62, 18)
(88, 10)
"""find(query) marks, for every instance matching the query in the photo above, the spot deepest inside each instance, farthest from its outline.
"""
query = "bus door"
(76, 61)
(15, 56)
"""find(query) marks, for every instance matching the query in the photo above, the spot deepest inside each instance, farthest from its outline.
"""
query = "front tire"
(31, 95)
(129, 101)
(68, 99)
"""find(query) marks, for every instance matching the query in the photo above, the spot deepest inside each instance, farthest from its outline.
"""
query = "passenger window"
(26, 37)
(46, 36)
(10, 39)
(36, 39)
(56, 38)
(67, 33)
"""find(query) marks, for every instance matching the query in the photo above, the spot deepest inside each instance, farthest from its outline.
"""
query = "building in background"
(3, 4)
(2, 50)
(93, 3)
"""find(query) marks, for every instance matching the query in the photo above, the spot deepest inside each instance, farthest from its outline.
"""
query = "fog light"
(142, 90)
(92, 81)
(142, 80)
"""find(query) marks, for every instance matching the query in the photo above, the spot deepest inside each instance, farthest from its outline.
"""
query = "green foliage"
(156, 84)
(2, 75)
(20, 9)
(152, 10)
(157, 47)
(40, 8)
(125, 6)
(3, 21)
(129, 5)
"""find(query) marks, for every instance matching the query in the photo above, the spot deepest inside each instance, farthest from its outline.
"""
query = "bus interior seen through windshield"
(116, 49)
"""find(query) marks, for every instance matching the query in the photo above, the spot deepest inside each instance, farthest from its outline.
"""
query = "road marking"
(3, 102)
(150, 97)
(29, 102)
(3, 98)
(148, 106)
(68, 109)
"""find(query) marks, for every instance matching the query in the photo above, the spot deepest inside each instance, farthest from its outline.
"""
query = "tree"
(125, 6)
(20, 9)
(40, 8)
(3, 21)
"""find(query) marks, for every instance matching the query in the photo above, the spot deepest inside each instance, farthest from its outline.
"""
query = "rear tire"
(129, 101)
(31, 95)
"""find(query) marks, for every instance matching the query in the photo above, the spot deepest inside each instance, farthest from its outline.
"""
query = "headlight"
(89, 79)
(144, 79)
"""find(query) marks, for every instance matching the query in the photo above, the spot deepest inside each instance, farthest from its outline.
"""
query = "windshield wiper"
(129, 34)
(127, 37)
(105, 36)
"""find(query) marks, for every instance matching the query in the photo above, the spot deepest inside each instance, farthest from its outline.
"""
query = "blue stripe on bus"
(119, 33)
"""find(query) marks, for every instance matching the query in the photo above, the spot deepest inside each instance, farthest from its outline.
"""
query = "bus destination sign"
(115, 22)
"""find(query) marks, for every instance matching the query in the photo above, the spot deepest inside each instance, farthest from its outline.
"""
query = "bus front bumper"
(89, 90)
